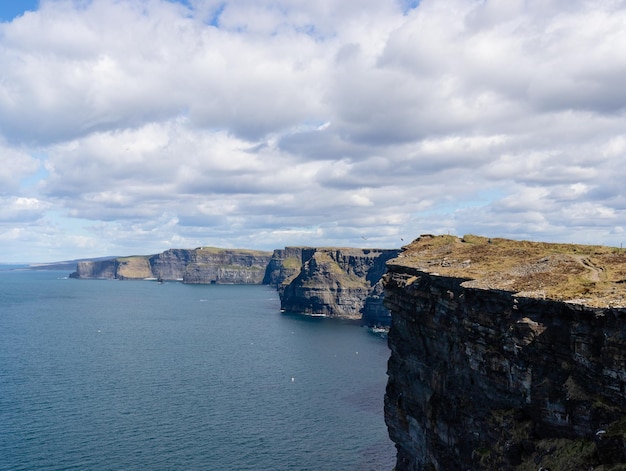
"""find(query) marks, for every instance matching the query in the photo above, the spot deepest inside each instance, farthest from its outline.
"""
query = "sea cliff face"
(203, 265)
(286, 264)
(225, 266)
(332, 282)
(96, 269)
(482, 377)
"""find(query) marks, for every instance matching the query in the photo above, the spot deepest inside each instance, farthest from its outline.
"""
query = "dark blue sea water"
(125, 375)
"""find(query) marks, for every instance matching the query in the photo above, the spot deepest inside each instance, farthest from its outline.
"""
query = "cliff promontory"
(200, 265)
(507, 355)
(332, 282)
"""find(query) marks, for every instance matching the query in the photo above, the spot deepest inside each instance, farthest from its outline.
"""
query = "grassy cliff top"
(136, 267)
(593, 275)
(218, 250)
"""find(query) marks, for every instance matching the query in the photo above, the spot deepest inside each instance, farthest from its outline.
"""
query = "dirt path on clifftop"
(595, 271)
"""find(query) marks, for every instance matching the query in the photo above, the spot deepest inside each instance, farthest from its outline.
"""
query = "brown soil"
(588, 274)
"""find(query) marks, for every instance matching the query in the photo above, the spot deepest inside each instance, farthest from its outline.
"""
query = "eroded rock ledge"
(489, 371)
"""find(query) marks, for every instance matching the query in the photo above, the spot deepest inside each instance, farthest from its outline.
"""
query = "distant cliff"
(201, 265)
(286, 264)
(507, 355)
(333, 282)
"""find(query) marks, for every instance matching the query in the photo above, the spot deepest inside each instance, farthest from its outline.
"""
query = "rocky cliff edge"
(506, 355)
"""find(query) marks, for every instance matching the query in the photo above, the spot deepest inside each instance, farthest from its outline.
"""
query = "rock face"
(96, 269)
(171, 264)
(286, 264)
(221, 266)
(202, 265)
(333, 282)
(488, 378)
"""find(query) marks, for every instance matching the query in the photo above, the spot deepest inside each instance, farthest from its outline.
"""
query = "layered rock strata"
(488, 372)
(202, 265)
(285, 265)
(333, 282)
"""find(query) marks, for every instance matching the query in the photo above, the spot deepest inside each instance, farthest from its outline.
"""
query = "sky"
(136, 126)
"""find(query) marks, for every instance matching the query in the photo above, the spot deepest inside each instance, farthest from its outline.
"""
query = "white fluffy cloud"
(132, 126)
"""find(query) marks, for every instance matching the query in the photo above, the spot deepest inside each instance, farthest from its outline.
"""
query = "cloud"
(139, 125)
(15, 166)
(19, 209)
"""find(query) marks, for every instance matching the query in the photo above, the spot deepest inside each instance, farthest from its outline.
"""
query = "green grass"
(292, 263)
(217, 250)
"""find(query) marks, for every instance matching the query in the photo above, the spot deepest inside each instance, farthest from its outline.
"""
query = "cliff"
(201, 265)
(332, 282)
(506, 355)
(117, 268)
(286, 264)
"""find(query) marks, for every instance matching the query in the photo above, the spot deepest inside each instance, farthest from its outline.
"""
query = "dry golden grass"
(136, 267)
(589, 274)
(217, 250)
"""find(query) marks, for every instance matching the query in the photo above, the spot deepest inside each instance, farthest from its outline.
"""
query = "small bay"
(110, 375)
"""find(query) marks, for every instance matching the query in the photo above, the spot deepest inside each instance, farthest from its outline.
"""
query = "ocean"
(125, 375)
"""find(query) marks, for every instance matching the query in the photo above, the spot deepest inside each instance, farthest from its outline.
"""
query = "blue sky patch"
(408, 5)
(10, 9)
